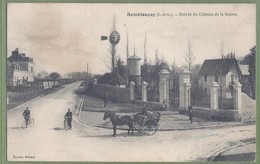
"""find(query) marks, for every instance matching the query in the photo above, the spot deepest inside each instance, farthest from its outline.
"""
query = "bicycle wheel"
(66, 126)
(31, 122)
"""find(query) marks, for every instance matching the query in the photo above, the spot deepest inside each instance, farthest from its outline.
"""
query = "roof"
(17, 56)
(153, 68)
(218, 66)
(149, 67)
(107, 78)
(134, 57)
(120, 79)
(244, 69)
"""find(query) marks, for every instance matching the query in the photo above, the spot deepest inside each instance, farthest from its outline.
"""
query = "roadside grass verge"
(19, 98)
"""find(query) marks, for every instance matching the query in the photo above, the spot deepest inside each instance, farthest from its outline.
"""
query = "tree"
(231, 55)
(42, 75)
(195, 74)
(119, 67)
(189, 57)
(250, 59)
(252, 72)
(54, 75)
(153, 74)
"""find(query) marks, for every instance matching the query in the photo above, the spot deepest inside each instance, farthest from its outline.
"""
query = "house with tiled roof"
(109, 79)
(223, 71)
(20, 69)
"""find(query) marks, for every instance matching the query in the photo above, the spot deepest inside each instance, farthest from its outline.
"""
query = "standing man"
(68, 116)
(26, 115)
(191, 113)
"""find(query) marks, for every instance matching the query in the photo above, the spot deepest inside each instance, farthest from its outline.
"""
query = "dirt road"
(47, 141)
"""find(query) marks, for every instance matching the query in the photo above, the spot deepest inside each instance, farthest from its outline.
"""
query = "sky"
(66, 37)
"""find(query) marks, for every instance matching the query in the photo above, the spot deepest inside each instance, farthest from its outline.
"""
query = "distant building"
(223, 71)
(108, 78)
(20, 69)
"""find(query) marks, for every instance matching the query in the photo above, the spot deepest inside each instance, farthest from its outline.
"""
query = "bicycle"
(30, 123)
(66, 125)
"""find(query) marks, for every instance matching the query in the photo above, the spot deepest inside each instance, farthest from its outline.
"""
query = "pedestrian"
(26, 115)
(191, 113)
(68, 116)
(164, 105)
(105, 101)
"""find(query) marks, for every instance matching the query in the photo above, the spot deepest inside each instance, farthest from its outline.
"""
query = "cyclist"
(68, 116)
(26, 115)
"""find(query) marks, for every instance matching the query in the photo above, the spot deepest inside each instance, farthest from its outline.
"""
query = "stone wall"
(112, 92)
(153, 106)
(217, 115)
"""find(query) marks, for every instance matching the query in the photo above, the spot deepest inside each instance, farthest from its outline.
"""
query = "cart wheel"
(139, 127)
(150, 127)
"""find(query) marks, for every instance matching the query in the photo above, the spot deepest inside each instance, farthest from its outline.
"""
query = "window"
(31, 69)
(216, 78)
(205, 78)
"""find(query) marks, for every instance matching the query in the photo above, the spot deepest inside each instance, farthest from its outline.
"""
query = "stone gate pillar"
(132, 90)
(237, 98)
(144, 91)
(164, 88)
(94, 84)
(187, 96)
(95, 81)
(184, 88)
(214, 96)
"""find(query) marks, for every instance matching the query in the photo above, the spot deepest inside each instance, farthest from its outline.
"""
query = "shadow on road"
(136, 134)
(58, 128)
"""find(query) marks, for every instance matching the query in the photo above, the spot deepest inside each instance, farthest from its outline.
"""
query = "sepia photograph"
(131, 82)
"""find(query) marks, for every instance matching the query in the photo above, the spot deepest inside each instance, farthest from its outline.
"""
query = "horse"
(117, 120)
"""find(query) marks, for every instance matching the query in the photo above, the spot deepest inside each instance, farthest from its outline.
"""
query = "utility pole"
(87, 73)
(127, 56)
(113, 50)
(90, 73)
(145, 57)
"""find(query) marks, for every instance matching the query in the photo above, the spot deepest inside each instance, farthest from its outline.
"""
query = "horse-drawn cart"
(145, 122)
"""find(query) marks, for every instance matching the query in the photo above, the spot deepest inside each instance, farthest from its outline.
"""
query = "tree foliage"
(42, 75)
(189, 57)
(150, 74)
(79, 75)
(54, 75)
(119, 67)
(231, 55)
(250, 59)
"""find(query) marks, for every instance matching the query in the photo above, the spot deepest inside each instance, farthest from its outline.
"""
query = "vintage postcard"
(125, 82)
